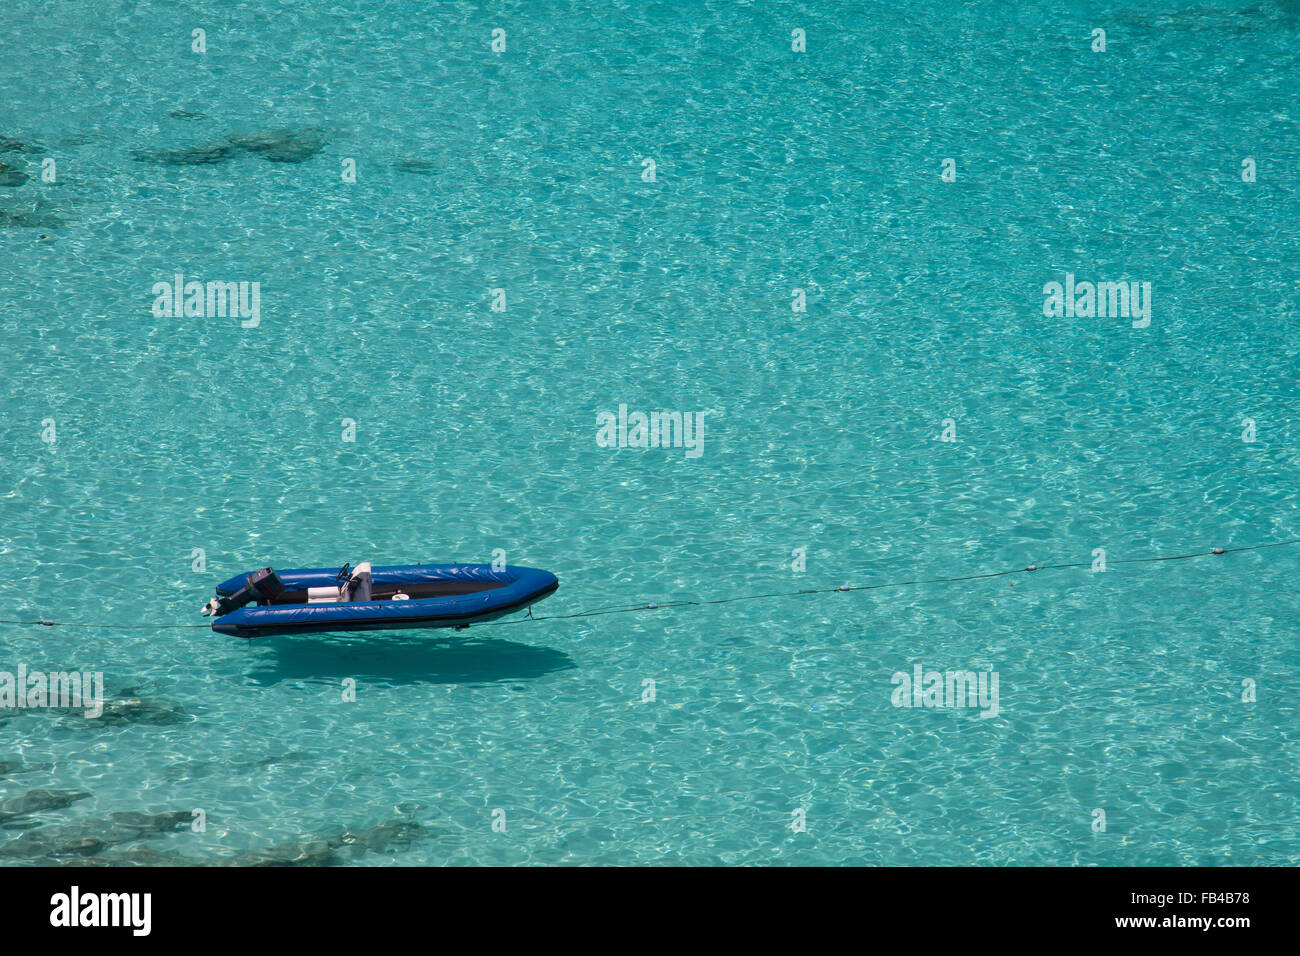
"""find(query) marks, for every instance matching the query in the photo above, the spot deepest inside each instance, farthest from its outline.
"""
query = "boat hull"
(442, 595)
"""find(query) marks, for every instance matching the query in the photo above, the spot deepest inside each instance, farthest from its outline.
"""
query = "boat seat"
(358, 587)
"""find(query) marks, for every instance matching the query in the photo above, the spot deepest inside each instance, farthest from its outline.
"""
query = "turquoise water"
(475, 429)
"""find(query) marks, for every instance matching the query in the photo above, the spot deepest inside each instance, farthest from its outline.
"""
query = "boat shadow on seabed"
(403, 661)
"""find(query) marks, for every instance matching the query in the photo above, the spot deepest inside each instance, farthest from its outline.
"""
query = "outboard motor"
(263, 586)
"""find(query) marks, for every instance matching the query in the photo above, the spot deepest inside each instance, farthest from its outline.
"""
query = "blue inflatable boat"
(378, 599)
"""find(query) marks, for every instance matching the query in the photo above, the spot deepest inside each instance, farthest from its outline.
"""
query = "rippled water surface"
(1120, 692)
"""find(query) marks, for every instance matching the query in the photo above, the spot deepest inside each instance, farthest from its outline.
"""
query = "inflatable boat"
(372, 599)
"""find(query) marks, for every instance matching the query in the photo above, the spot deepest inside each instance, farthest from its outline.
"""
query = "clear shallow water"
(476, 430)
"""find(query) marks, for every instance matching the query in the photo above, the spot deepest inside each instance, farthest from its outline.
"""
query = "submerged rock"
(289, 145)
(138, 856)
(421, 167)
(39, 846)
(9, 144)
(34, 801)
(128, 709)
(12, 177)
(129, 825)
(336, 850)
(204, 154)
(306, 852)
(92, 837)
(292, 144)
(29, 219)
(392, 834)
(119, 839)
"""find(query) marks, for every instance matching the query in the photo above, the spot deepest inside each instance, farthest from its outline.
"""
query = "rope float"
(654, 606)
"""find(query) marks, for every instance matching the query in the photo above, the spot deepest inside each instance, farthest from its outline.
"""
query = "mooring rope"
(666, 605)
(631, 608)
